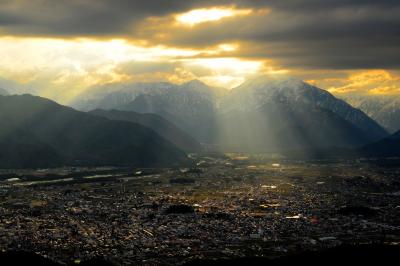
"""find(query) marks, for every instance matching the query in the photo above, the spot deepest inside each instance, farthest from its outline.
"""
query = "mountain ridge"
(4, 92)
(157, 123)
(385, 109)
(200, 110)
(295, 91)
(387, 147)
(84, 139)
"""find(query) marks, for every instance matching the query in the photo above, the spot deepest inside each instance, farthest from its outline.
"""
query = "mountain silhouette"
(77, 138)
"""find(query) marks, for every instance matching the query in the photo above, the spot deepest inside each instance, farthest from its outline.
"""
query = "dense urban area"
(223, 207)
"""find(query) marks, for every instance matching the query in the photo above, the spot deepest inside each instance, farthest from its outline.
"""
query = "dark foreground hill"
(20, 149)
(157, 123)
(387, 147)
(36, 132)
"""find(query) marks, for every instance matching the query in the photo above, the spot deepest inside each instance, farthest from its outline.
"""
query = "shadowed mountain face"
(194, 114)
(387, 147)
(158, 124)
(190, 106)
(276, 114)
(263, 114)
(50, 130)
(277, 127)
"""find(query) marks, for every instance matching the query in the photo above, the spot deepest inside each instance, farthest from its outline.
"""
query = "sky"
(60, 48)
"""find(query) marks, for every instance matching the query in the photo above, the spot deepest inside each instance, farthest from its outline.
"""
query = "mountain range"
(263, 114)
(190, 106)
(154, 124)
(385, 109)
(36, 132)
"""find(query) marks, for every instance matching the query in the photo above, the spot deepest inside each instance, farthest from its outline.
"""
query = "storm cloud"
(311, 34)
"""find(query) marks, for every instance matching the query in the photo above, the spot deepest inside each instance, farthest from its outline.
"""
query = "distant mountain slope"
(80, 138)
(3, 92)
(190, 106)
(263, 90)
(387, 147)
(189, 110)
(282, 127)
(113, 96)
(157, 123)
(383, 109)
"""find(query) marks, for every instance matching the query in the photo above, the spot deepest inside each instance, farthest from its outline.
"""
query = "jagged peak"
(195, 83)
(272, 81)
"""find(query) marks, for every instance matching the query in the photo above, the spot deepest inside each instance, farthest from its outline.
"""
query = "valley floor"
(224, 208)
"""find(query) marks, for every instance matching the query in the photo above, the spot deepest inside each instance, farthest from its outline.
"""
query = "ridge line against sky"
(60, 48)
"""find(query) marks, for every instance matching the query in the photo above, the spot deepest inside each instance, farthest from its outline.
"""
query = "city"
(224, 207)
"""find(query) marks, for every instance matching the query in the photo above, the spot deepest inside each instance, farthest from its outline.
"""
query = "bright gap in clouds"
(227, 72)
(61, 69)
(197, 16)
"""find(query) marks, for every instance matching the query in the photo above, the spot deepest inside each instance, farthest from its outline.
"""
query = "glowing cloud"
(61, 69)
(226, 72)
(197, 16)
(367, 82)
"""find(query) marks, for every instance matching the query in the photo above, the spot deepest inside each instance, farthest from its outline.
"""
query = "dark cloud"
(365, 36)
(89, 17)
(331, 34)
(119, 17)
